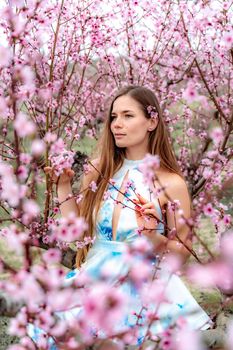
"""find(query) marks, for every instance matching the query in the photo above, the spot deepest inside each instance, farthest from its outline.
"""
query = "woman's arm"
(176, 190)
(64, 189)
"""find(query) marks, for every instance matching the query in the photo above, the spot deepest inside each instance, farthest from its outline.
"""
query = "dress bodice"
(106, 259)
(127, 227)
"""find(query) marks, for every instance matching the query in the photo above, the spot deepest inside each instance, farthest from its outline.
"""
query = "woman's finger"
(48, 169)
(136, 201)
(148, 205)
(141, 199)
(70, 172)
(149, 212)
(138, 212)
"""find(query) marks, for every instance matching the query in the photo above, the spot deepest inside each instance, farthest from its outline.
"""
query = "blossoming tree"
(60, 64)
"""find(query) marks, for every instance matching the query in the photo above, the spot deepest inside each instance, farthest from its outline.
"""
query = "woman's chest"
(117, 214)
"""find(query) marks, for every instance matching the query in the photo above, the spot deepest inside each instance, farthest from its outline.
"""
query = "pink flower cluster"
(60, 158)
(152, 112)
(10, 191)
(217, 273)
(148, 168)
(68, 229)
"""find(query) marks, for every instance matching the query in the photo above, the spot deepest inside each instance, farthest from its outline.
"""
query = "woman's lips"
(119, 135)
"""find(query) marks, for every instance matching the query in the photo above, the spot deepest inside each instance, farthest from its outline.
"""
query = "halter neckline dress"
(107, 251)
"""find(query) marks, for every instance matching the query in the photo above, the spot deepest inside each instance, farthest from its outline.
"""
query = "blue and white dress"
(109, 250)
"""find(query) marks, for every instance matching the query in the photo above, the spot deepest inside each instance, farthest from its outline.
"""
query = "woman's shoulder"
(173, 184)
(165, 175)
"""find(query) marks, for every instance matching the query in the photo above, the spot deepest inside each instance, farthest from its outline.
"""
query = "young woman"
(115, 212)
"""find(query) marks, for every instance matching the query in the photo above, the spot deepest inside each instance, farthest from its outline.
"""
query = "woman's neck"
(135, 155)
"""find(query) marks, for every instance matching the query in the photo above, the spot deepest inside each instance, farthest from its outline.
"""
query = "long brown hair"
(111, 157)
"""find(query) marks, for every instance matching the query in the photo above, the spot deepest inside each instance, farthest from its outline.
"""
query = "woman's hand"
(63, 179)
(146, 214)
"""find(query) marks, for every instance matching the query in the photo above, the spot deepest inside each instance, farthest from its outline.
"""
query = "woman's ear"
(153, 124)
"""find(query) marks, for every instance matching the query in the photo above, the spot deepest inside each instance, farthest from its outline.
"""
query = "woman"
(134, 128)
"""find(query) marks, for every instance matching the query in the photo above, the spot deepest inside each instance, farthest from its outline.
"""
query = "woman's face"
(129, 125)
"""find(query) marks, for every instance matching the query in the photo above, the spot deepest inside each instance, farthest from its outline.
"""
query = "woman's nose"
(118, 122)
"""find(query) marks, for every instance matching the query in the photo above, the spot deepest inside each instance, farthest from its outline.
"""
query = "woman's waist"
(113, 245)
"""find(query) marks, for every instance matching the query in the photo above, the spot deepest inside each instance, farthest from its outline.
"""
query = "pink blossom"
(190, 93)
(208, 209)
(10, 190)
(104, 306)
(60, 158)
(228, 39)
(18, 3)
(37, 147)
(29, 286)
(60, 300)
(203, 275)
(216, 135)
(93, 186)
(142, 245)
(69, 229)
(226, 245)
(148, 167)
(171, 263)
(57, 146)
(190, 132)
(22, 172)
(45, 320)
(56, 210)
(50, 137)
(203, 135)
(174, 205)
(53, 278)
(25, 158)
(15, 240)
(182, 337)
(18, 325)
(23, 126)
(154, 293)
(5, 56)
(82, 121)
(167, 342)
(28, 77)
(152, 112)
(87, 168)
(87, 240)
(45, 93)
(207, 173)
(3, 107)
(211, 275)
(227, 219)
(79, 198)
(28, 343)
(140, 272)
(59, 329)
(17, 347)
(52, 256)
(31, 208)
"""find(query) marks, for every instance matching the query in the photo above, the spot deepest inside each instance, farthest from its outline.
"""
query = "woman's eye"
(129, 116)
